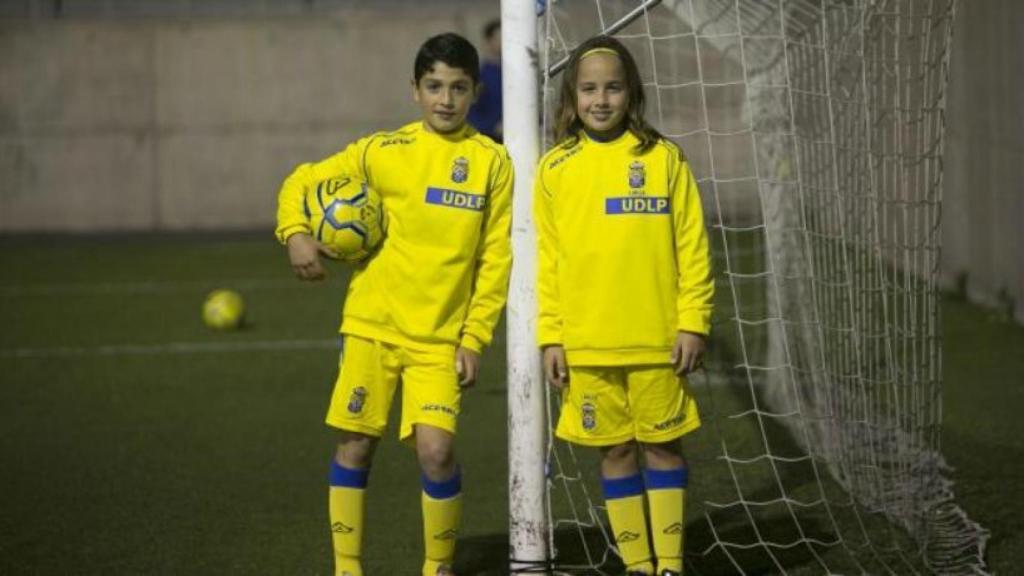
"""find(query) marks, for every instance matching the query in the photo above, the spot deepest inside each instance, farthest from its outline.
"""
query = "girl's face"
(601, 96)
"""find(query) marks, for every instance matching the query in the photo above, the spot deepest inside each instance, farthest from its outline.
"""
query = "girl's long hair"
(568, 124)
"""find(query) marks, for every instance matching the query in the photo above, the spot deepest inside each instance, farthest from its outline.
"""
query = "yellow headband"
(593, 51)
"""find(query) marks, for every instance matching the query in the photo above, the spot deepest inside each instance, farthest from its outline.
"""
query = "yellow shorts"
(369, 372)
(609, 405)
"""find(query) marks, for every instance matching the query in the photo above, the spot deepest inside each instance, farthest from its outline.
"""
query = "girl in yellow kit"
(625, 290)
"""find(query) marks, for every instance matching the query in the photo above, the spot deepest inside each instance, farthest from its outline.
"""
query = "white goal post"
(527, 428)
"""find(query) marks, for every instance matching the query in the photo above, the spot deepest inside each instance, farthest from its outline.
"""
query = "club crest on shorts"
(357, 400)
(637, 174)
(460, 170)
(588, 413)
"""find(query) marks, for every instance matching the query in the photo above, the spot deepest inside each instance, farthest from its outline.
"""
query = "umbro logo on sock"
(676, 528)
(627, 536)
(449, 534)
(340, 528)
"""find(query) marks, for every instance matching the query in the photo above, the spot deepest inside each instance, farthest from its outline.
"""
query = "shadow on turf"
(488, 555)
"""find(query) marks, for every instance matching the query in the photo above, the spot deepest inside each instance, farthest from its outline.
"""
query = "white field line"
(169, 348)
(147, 287)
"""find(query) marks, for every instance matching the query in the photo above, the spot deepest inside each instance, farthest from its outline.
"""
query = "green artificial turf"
(134, 440)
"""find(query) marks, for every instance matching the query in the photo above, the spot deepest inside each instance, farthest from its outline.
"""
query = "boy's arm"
(494, 262)
(291, 211)
(549, 319)
(696, 287)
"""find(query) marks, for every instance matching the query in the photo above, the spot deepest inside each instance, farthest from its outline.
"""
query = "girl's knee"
(664, 455)
(620, 460)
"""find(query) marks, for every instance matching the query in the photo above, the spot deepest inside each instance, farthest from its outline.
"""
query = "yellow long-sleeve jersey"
(623, 261)
(441, 276)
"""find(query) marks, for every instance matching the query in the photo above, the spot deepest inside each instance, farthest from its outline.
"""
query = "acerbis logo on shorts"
(588, 414)
(669, 423)
(357, 400)
(438, 408)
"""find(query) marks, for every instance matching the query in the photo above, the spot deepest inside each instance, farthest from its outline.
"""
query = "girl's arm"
(549, 318)
(695, 287)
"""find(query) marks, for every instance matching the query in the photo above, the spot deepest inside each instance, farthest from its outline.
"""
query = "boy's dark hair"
(450, 48)
(491, 27)
(568, 125)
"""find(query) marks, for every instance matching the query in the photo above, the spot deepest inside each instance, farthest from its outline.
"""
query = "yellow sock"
(666, 496)
(625, 500)
(346, 503)
(442, 515)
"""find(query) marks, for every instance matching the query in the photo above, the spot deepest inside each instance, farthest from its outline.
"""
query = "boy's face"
(601, 96)
(444, 95)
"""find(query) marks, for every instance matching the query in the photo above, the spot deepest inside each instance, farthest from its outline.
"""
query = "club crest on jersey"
(637, 174)
(588, 415)
(357, 400)
(460, 170)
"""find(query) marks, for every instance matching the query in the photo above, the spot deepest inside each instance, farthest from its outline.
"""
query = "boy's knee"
(436, 455)
(355, 450)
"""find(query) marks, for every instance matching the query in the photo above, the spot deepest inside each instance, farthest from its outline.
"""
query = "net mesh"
(815, 131)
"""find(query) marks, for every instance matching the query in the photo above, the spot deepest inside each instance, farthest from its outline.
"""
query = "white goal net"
(815, 129)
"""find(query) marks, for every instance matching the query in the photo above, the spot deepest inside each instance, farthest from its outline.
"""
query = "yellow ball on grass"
(223, 310)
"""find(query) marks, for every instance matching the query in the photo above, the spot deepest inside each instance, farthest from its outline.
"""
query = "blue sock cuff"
(348, 477)
(623, 487)
(655, 479)
(443, 490)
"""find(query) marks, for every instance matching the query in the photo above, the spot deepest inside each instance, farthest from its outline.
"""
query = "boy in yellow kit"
(420, 310)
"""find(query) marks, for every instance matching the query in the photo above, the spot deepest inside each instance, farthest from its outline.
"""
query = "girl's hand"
(304, 255)
(688, 353)
(467, 366)
(554, 366)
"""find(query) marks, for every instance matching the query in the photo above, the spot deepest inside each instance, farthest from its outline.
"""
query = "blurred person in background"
(485, 114)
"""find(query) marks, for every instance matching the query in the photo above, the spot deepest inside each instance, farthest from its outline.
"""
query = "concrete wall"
(983, 204)
(112, 125)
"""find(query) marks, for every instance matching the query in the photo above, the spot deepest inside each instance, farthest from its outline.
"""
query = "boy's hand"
(688, 353)
(467, 365)
(304, 255)
(554, 366)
